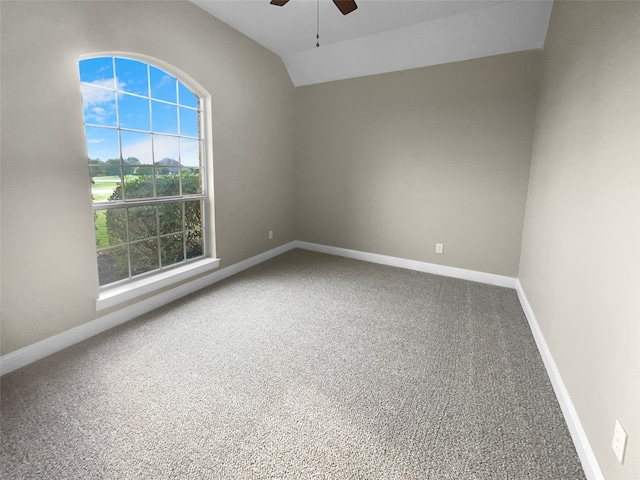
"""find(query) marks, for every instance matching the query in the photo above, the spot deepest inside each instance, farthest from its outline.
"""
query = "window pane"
(194, 244)
(111, 227)
(191, 182)
(99, 105)
(166, 152)
(189, 152)
(143, 222)
(134, 112)
(136, 147)
(97, 71)
(106, 181)
(165, 117)
(163, 85)
(102, 144)
(129, 168)
(138, 186)
(193, 215)
(104, 188)
(172, 249)
(186, 96)
(170, 215)
(112, 265)
(132, 76)
(167, 183)
(189, 122)
(144, 256)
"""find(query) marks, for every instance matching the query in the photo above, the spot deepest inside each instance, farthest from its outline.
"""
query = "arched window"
(147, 168)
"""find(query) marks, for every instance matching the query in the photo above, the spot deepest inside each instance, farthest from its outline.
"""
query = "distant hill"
(174, 165)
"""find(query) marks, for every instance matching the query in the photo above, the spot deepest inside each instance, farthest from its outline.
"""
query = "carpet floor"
(305, 366)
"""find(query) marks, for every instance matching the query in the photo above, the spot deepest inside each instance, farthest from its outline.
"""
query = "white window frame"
(127, 290)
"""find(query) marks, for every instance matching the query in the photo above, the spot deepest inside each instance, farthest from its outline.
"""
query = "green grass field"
(102, 236)
(103, 187)
(101, 190)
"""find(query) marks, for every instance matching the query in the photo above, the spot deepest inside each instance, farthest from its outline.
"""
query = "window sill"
(111, 297)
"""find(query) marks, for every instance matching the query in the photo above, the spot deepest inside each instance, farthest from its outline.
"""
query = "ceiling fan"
(345, 6)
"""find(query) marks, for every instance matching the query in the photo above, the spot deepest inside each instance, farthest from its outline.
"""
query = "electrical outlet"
(270, 234)
(619, 442)
(439, 247)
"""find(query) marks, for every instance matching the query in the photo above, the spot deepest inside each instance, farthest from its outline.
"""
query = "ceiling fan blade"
(279, 3)
(345, 6)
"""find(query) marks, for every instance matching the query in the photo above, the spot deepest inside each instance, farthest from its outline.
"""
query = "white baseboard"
(36, 351)
(464, 274)
(580, 440)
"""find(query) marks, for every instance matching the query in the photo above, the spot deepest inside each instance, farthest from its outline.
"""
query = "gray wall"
(398, 162)
(49, 273)
(580, 265)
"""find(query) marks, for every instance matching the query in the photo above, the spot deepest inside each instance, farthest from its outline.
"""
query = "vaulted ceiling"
(383, 35)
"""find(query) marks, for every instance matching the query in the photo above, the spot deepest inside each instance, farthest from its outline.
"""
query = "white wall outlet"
(270, 234)
(439, 247)
(619, 442)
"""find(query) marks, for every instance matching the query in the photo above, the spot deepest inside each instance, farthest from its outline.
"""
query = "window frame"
(135, 286)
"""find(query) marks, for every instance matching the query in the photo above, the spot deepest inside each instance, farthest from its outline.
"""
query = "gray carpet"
(306, 366)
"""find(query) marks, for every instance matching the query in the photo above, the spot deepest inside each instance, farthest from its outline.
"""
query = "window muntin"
(145, 151)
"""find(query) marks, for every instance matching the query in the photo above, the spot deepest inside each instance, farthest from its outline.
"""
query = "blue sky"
(162, 110)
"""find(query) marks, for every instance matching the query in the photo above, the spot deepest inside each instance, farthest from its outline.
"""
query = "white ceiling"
(384, 35)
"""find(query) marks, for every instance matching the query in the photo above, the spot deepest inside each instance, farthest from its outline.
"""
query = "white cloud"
(165, 146)
(140, 149)
(92, 94)
(165, 80)
(99, 92)
(99, 101)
